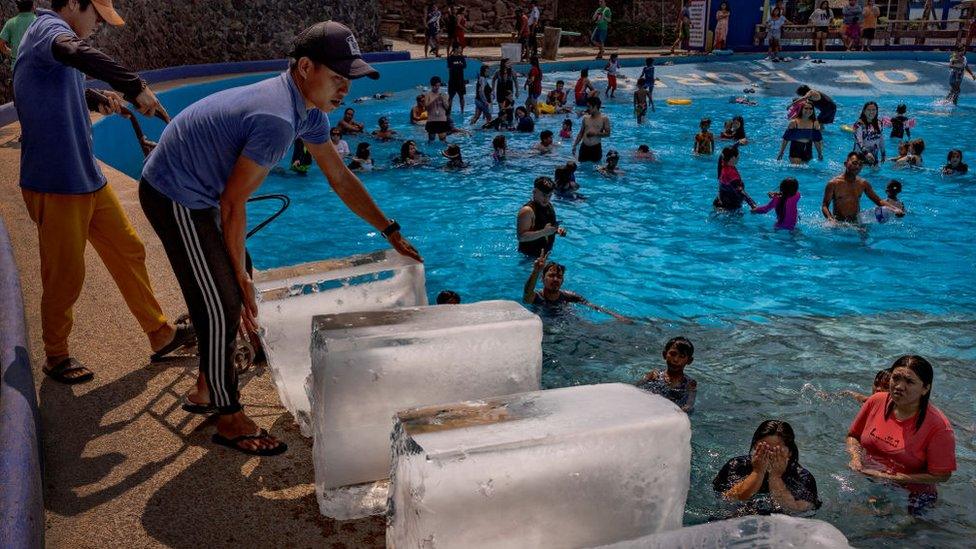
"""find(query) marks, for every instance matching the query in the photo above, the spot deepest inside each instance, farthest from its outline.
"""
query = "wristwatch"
(393, 227)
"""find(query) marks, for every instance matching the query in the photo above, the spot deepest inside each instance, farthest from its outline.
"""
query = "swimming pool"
(780, 320)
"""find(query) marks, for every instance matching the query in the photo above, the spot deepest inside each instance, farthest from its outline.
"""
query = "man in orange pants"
(64, 189)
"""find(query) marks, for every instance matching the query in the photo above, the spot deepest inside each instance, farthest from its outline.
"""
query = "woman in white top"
(338, 142)
(820, 19)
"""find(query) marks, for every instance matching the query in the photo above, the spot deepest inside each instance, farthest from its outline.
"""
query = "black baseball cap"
(333, 45)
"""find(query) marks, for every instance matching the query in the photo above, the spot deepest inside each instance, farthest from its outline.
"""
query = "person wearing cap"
(536, 224)
(194, 190)
(437, 106)
(63, 187)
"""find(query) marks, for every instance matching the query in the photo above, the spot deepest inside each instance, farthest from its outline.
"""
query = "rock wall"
(164, 33)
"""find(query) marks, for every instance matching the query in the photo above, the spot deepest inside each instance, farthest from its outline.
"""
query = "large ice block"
(288, 298)
(772, 532)
(572, 467)
(367, 366)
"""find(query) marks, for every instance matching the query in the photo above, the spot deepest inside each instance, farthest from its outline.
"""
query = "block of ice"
(288, 298)
(367, 366)
(571, 467)
(771, 532)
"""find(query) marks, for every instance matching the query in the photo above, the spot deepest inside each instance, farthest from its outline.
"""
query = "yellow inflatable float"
(546, 108)
(847, 128)
(678, 101)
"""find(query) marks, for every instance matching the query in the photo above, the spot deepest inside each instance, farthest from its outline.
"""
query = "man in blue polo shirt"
(64, 189)
(194, 190)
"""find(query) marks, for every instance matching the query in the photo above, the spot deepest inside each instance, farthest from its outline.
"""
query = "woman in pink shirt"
(899, 436)
(785, 202)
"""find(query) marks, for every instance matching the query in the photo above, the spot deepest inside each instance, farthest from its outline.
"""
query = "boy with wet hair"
(641, 96)
(672, 383)
(881, 381)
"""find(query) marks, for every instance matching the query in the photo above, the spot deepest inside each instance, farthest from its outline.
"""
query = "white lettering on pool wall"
(725, 78)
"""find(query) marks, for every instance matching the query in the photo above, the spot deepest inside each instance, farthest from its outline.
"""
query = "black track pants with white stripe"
(195, 246)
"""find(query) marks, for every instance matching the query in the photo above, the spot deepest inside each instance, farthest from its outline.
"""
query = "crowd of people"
(215, 153)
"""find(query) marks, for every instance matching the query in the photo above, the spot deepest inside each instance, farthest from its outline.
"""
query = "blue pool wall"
(21, 499)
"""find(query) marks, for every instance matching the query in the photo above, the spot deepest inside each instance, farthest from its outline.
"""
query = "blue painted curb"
(8, 113)
(21, 496)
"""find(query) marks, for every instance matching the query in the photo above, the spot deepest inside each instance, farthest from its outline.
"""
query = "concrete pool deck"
(124, 466)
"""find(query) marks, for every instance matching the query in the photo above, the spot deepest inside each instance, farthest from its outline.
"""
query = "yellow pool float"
(847, 128)
(546, 108)
(678, 101)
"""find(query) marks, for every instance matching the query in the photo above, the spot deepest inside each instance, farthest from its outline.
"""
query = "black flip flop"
(232, 443)
(195, 408)
(185, 335)
(59, 372)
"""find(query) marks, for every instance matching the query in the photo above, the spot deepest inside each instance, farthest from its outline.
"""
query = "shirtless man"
(594, 128)
(349, 125)
(437, 108)
(845, 192)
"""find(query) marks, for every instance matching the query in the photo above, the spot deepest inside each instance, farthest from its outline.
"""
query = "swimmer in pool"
(545, 144)
(641, 96)
(348, 125)
(448, 297)
(453, 155)
(954, 164)
(565, 180)
(704, 140)
(881, 381)
(418, 114)
(868, 137)
(566, 132)
(610, 168)
(910, 153)
(498, 148)
(844, 193)
(552, 296)
(784, 202)
(803, 135)
(409, 156)
(645, 153)
(731, 189)
(384, 132)
(672, 383)
(735, 130)
(593, 128)
(557, 99)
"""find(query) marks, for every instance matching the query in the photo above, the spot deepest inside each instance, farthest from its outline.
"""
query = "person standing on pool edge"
(65, 192)
(594, 127)
(194, 190)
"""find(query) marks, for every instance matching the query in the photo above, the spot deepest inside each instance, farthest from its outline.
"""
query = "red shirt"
(898, 448)
(535, 73)
(524, 32)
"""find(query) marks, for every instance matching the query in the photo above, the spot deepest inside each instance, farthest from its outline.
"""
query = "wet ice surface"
(367, 366)
(290, 297)
(769, 532)
(567, 467)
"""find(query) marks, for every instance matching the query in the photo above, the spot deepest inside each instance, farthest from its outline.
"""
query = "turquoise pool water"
(781, 321)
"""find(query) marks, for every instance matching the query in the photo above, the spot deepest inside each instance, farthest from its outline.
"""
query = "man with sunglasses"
(65, 191)
(194, 190)
(845, 191)
(536, 224)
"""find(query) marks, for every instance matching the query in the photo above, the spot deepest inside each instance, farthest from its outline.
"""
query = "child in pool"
(641, 96)
(731, 189)
(453, 155)
(409, 155)
(565, 179)
(672, 383)
(954, 164)
(735, 130)
(610, 168)
(498, 148)
(644, 153)
(567, 130)
(545, 144)
(881, 381)
(910, 153)
(613, 66)
(892, 190)
(785, 203)
(505, 118)
(704, 140)
(901, 125)
(361, 162)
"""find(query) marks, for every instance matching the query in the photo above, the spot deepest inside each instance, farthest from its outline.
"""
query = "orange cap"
(108, 13)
